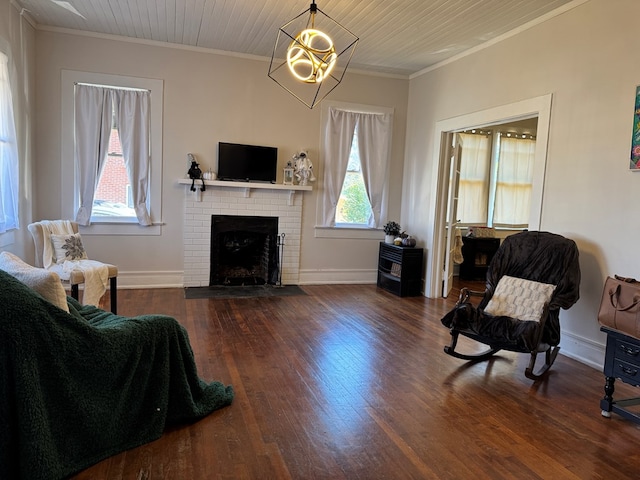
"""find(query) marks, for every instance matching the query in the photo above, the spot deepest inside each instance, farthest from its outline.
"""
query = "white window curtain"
(374, 142)
(93, 115)
(94, 108)
(514, 182)
(473, 192)
(9, 177)
(133, 118)
(338, 139)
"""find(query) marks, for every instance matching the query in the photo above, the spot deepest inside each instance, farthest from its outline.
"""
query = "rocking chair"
(531, 276)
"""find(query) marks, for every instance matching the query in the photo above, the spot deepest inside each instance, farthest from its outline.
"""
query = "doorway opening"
(441, 243)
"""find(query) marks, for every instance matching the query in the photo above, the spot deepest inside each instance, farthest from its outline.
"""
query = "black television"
(247, 163)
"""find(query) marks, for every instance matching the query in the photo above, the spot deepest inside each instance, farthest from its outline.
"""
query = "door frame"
(454, 156)
(534, 107)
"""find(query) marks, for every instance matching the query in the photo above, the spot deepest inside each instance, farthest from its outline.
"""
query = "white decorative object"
(288, 174)
(303, 168)
(519, 298)
(389, 239)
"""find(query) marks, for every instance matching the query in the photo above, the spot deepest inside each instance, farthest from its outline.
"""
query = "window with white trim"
(356, 151)
(113, 197)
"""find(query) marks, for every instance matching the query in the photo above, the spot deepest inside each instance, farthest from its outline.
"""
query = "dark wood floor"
(350, 382)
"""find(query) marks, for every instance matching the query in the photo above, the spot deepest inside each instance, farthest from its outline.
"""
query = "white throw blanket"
(96, 278)
(96, 274)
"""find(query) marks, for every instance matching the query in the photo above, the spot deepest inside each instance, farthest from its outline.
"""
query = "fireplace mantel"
(246, 186)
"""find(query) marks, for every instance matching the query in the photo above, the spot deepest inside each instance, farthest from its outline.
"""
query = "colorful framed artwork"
(634, 165)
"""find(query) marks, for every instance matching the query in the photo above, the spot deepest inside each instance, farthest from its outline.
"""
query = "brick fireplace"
(239, 199)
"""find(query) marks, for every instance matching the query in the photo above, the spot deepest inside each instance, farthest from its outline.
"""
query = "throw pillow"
(68, 247)
(46, 283)
(519, 298)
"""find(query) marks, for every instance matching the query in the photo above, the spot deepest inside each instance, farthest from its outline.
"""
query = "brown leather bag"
(620, 305)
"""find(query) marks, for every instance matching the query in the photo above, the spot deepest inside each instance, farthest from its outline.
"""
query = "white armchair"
(73, 277)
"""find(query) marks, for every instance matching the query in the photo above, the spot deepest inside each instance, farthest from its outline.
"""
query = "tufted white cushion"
(68, 247)
(519, 298)
(43, 281)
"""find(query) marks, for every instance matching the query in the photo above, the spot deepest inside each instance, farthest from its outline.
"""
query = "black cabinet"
(477, 254)
(622, 360)
(400, 269)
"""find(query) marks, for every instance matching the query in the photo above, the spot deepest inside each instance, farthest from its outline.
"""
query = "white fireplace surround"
(244, 199)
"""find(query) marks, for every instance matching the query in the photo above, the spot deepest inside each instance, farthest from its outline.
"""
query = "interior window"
(496, 179)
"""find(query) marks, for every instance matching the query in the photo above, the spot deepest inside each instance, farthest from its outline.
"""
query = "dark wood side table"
(400, 269)
(477, 254)
(622, 361)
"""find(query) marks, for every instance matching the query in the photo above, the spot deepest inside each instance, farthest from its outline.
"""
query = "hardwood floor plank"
(350, 382)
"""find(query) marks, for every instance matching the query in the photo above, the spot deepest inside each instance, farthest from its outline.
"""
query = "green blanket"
(80, 387)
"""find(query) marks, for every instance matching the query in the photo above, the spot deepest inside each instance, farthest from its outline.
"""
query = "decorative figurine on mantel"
(288, 174)
(303, 168)
(195, 173)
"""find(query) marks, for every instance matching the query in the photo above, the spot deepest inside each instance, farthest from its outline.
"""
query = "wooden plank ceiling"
(399, 37)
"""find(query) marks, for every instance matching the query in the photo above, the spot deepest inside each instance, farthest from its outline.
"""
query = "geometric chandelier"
(311, 55)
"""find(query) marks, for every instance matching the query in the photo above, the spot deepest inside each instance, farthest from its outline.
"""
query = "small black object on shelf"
(195, 174)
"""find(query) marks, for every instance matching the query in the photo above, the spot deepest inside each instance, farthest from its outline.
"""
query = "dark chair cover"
(539, 256)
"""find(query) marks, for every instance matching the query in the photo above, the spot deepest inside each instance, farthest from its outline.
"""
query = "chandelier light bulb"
(311, 56)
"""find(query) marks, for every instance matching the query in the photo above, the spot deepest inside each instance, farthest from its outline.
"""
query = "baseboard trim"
(130, 280)
(337, 276)
(583, 350)
(173, 279)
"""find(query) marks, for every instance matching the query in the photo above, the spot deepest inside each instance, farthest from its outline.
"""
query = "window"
(514, 182)
(117, 204)
(9, 218)
(107, 120)
(113, 197)
(475, 168)
(496, 179)
(354, 207)
(356, 143)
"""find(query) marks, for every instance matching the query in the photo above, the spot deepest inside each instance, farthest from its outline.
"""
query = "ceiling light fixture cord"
(313, 9)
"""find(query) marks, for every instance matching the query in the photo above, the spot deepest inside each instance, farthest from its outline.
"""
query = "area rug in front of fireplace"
(243, 291)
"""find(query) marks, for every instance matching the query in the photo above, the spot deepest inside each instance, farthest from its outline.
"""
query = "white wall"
(585, 58)
(207, 98)
(17, 41)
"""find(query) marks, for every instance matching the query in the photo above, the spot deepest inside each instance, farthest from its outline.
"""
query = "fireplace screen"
(244, 250)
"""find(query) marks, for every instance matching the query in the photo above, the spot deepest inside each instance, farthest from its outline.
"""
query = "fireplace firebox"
(244, 250)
